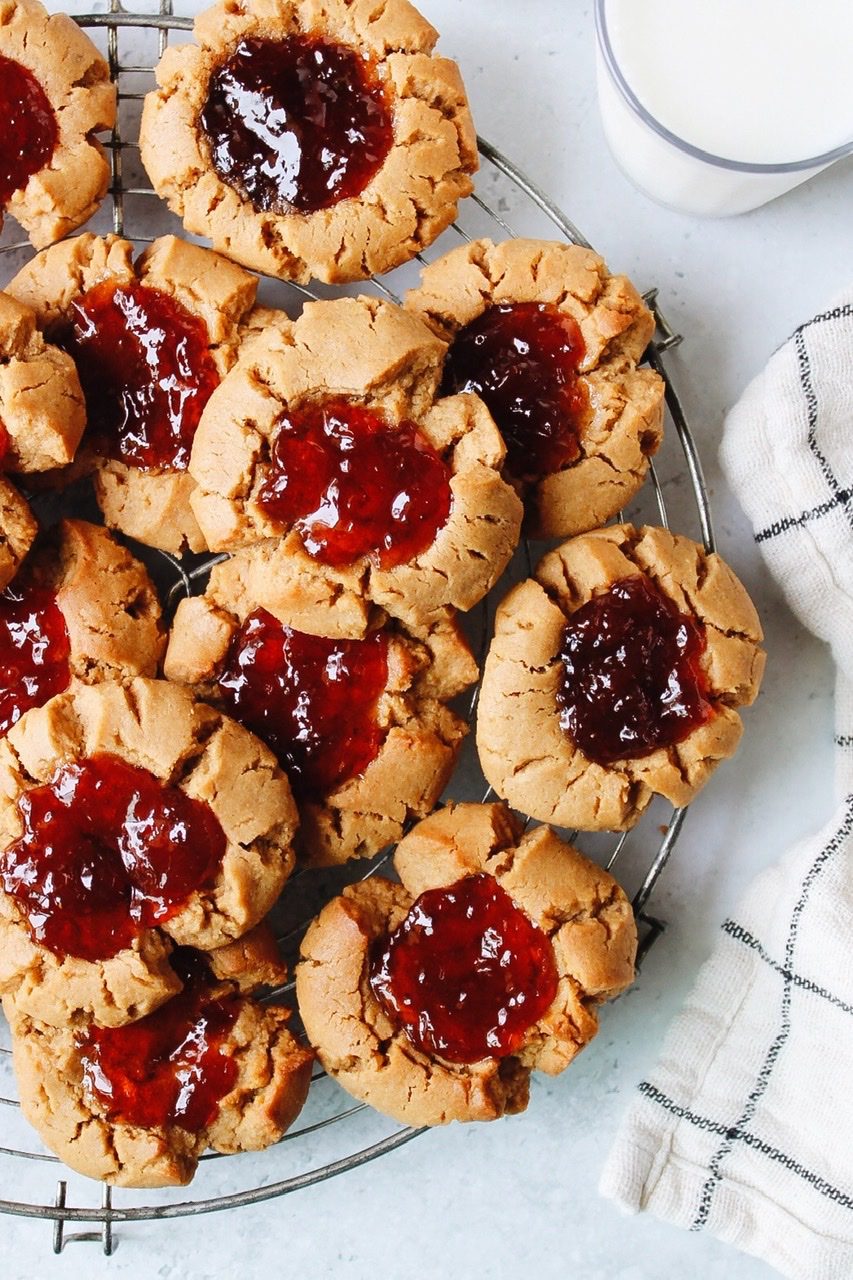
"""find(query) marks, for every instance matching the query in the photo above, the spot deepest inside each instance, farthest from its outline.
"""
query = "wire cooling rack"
(333, 1135)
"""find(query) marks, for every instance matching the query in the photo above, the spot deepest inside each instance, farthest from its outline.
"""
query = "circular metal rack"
(333, 1135)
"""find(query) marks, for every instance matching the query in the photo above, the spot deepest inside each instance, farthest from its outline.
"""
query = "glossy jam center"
(34, 651)
(467, 973)
(28, 128)
(168, 1068)
(355, 485)
(145, 369)
(106, 851)
(522, 359)
(632, 680)
(296, 125)
(312, 699)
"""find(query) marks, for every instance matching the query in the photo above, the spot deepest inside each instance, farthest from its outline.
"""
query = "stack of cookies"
(362, 473)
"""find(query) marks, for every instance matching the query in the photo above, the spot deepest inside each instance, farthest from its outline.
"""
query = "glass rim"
(721, 162)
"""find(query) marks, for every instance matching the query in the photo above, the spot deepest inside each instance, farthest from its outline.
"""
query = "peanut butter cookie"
(136, 1106)
(550, 341)
(55, 94)
(614, 675)
(151, 339)
(311, 139)
(42, 409)
(131, 818)
(326, 454)
(434, 999)
(360, 726)
(81, 606)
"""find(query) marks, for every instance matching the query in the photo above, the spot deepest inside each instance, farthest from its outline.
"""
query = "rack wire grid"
(333, 1135)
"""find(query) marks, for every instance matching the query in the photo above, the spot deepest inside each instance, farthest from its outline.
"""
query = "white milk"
(764, 88)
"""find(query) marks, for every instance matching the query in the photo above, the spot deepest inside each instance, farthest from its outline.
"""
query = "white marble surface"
(520, 1196)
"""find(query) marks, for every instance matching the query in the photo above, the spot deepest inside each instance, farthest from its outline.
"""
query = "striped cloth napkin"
(745, 1126)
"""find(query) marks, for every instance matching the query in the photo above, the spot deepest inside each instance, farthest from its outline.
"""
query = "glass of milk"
(716, 106)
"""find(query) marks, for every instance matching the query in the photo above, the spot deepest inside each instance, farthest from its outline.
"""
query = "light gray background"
(520, 1196)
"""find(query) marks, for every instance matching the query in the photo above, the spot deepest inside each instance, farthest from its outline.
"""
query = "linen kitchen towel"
(745, 1126)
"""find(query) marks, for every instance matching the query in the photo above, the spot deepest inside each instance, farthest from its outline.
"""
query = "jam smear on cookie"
(632, 680)
(312, 700)
(353, 484)
(169, 1067)
(522, 359)
(106, 851)
(296, 125)
(146, 371)
(28, 128)
(467, 973)
(34, 651)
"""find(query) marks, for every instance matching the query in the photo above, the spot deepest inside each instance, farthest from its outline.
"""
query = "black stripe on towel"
(796, 522)
(841, 496)
(749, 1139)
(837, 313)
(810, 396)
(763, 1079)
(737, 931)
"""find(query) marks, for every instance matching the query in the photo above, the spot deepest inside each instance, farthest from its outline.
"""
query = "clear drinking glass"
(671, 170)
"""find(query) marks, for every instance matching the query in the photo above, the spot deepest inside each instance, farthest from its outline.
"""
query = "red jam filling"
(313, 700)
(632, 679)
(34, 651)
(4, 443)
(522, 359)
(146, 372)
(467, 973)
(28, 128)
(353, 485)
(107, 850)
(169, 1067)
(296, 125)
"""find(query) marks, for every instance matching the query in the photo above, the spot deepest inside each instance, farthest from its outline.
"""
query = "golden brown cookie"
(557, 919)
(551, 340)
(18, 529)
(682, 654)
(304, 390)
(56, 94)
(107, 600)
(291, 201)
(151, 339)
(102, 952)
(41, 402)
(227, 1075)
(361, 727)
(81, 606)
